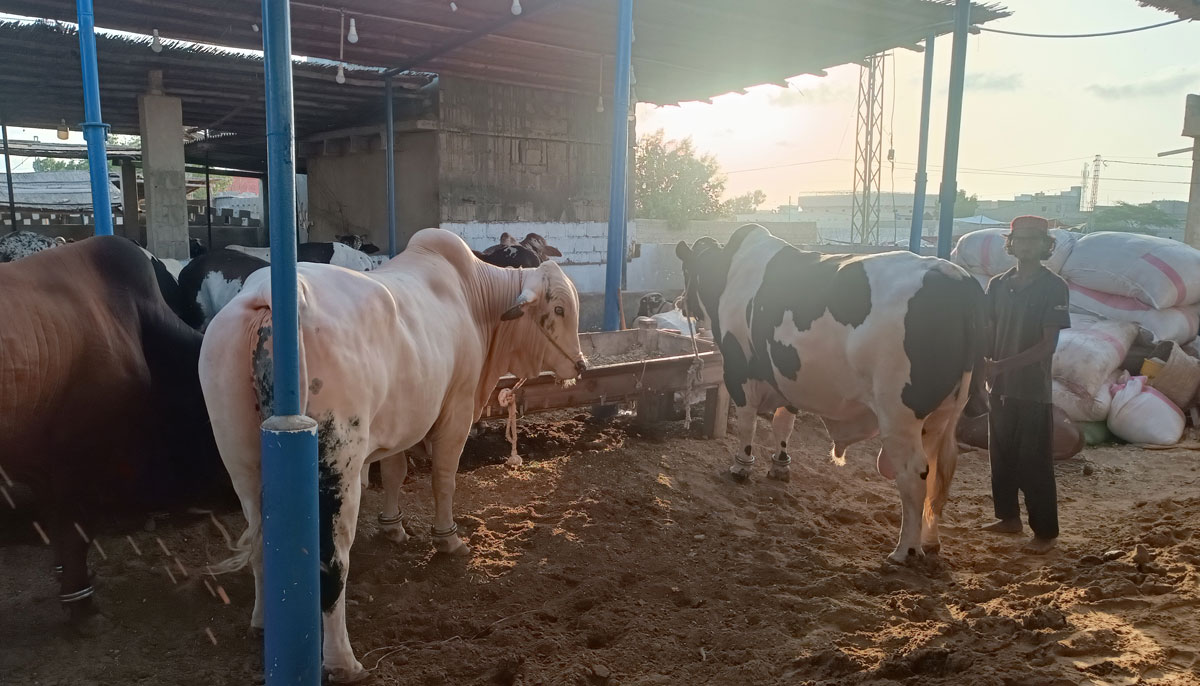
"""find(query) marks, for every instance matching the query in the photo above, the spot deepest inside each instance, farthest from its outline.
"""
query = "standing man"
(1027, 307)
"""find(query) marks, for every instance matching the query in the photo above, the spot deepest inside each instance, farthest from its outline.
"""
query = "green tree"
(673, 182)
(1130, 218)
(48, 164)
(743, 204)
(964, 205)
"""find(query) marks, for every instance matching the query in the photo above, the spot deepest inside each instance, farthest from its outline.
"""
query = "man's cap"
(1030, 224)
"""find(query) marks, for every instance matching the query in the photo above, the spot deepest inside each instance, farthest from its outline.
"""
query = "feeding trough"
(643, 365)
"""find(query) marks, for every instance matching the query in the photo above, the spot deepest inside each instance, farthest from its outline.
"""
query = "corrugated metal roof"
(683, 49)
(57, 190)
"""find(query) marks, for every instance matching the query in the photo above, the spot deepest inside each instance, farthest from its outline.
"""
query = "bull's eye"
(560, 311)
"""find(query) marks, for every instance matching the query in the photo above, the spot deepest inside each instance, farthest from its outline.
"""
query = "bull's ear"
(682, 251)
(526, 297)
(552, 251)
(529, 294)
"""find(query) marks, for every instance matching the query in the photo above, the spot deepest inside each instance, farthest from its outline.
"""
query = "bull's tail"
(236, 371)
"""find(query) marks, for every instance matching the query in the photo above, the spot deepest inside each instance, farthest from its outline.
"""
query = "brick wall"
(518, 154)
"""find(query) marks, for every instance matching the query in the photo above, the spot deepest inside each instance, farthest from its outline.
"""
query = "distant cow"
(16, 245)
(100, 408)
(389, 359)
(873, 344)
(528, 253)
(325, 252)
(210, 281)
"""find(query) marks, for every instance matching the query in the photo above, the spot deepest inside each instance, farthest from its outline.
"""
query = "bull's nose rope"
(508, 398)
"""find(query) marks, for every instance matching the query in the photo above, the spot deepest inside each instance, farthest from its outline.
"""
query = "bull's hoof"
(255, 633)
(780, 474)
(451, 545)
(740, 473)
(932, 548)
(355, 673)
(91, 626)
(396, 534)
(902, 556)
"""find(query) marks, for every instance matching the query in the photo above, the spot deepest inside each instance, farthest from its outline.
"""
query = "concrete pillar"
(1191, 127)
(161, 118)
(130, 221)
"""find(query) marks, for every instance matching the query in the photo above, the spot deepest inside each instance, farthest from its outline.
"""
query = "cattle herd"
(131, 383)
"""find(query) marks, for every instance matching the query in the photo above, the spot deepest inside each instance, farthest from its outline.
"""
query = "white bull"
(391, 358)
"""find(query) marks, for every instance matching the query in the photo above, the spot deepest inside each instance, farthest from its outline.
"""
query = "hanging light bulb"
(255, 27)
(156, 44)
(599, 103)
(454, 7)
(353, 35)
(63, 131)
(516, 7)
(341, 75)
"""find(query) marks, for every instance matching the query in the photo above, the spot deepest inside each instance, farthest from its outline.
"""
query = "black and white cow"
(529, 252)
(210, 281)
(16, 245)
(324, 252)
(874, 344)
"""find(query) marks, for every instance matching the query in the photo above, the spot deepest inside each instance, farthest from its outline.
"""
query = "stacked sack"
(1124, 288)
(982, 252)
(1150, 281)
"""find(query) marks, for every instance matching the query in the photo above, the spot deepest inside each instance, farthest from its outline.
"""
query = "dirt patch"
(614, 557)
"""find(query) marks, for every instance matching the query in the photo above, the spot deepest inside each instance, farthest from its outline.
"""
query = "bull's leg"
(391, 520)
(941, 450)
(74, 583)
(904, 454)
(449, 437)
(339, 498)
(781, 427)
(743, 461)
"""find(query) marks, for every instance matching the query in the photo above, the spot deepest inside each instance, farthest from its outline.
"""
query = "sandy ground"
(616, 557)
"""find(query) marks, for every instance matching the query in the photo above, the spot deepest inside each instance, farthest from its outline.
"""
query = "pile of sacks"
(1127, 292)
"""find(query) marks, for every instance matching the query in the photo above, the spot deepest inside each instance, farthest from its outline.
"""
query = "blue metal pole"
(958, 72)
(390, 148)
(94, 131)
(292, 651)
(617, 172)
(918, 219)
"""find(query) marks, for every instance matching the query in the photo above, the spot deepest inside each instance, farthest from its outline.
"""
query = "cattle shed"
(496, 125)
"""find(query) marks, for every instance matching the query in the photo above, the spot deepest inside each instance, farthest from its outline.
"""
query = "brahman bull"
(403, 355)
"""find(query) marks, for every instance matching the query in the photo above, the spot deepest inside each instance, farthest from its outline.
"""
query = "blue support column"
(918, 219)
(292, 651)
(958, 72)
(390, 148)
(617, 173)
(94, 130)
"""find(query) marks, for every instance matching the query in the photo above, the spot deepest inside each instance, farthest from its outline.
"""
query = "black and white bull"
(210, 281)
(874, 344)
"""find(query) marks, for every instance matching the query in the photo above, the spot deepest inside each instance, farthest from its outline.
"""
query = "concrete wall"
(517, 154)
(163, 175)
(347, 190)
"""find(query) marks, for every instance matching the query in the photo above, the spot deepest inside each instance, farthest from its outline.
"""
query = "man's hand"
(991, 369)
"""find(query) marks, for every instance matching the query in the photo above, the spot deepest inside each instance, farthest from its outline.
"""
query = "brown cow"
(100, 408)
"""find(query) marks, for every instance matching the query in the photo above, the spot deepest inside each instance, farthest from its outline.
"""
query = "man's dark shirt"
(1019, 315)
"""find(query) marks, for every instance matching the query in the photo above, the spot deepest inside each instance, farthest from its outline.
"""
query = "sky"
(1035, 110)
